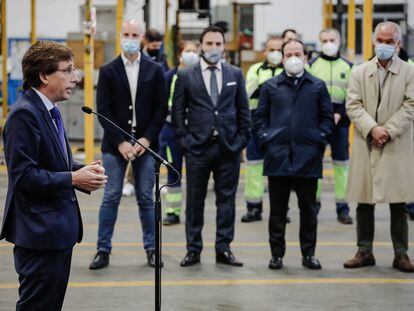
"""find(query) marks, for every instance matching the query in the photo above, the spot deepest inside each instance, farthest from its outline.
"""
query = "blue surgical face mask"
(212, 56)
(130, 46)
(384, 51)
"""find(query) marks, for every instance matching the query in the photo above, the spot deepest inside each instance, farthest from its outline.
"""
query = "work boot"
(171, 219)
(402, 262)
(345, 219)
(253, 214)
(361, 259)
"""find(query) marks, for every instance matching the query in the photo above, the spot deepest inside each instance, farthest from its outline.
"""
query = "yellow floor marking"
(235, 244)
(310, 281)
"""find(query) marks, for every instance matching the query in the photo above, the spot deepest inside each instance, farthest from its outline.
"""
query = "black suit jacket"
(195, 118)
(113, 98)
(41, 209)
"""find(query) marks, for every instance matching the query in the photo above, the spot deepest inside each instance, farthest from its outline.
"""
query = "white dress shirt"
(49, 105)
(207, 75)
(132, 72)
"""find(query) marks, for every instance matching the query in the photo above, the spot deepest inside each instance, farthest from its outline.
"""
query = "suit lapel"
(199, 82)
(48, 119)
(225, 79)
(143, 69)
(122, 75)
(374, 86)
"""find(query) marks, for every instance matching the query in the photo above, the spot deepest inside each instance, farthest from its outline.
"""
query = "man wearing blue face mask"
(211, 119)
(380, 103)
(132, 93)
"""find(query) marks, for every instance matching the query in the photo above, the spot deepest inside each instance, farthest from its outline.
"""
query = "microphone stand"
(157, 204)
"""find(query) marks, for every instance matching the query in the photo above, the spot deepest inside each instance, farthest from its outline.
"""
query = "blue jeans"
(115, 167)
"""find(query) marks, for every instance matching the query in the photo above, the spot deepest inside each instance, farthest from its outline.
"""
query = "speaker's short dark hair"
(292, 41)
(43, 57)
(211, 29)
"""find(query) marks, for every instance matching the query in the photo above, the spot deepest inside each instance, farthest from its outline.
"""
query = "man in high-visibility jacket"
(335, 71)
(256, 76)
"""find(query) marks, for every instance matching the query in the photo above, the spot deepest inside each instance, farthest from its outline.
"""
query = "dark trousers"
(225, 171)
(168, 141)
(279, 192)
(399, 227)
(43, 278)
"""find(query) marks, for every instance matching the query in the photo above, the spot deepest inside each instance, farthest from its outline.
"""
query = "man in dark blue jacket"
(293, 120)
(42, 217)
(132, 93)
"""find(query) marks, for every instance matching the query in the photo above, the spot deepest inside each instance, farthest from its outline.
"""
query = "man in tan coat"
(380, 103)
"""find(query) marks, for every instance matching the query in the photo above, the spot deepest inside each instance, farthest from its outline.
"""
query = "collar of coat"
(283, 77)
(394, 67)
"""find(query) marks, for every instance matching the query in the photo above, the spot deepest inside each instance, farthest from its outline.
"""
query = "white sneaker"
(128, 190)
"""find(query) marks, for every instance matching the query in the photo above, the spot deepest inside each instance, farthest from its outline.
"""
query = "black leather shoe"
(171, 219)
(252, 215)
(311, 262)
(276, 263)
(227, 258)
(101, 260)
(190, 259)
(345, 219)
(151, 259)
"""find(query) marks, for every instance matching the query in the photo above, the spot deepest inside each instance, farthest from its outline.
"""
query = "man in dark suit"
(293, 120)
(132, 93)
(42, 216)
(211, 119)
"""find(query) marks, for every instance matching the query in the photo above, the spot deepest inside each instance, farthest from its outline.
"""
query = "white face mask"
(274, 57)
(294, 65)
(189, 58)
(330, 49)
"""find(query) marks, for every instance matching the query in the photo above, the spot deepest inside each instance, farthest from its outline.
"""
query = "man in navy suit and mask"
(211, 118)
(42, 217)
(132, 93)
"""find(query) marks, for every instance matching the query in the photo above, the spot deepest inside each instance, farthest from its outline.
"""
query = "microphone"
(155, 155)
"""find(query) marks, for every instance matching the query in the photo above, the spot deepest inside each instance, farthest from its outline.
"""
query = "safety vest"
(335, 72)
(256, 76)
(170, 99)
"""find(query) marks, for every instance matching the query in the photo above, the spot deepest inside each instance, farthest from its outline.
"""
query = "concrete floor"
(127, 284)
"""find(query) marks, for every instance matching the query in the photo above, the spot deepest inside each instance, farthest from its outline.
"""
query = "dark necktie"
(213, 85)
(57, 118)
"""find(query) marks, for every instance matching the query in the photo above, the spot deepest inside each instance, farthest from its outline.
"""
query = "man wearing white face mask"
(335, 71)
(256, 76)
(132, 93)
(293, 120)
(380, 103)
